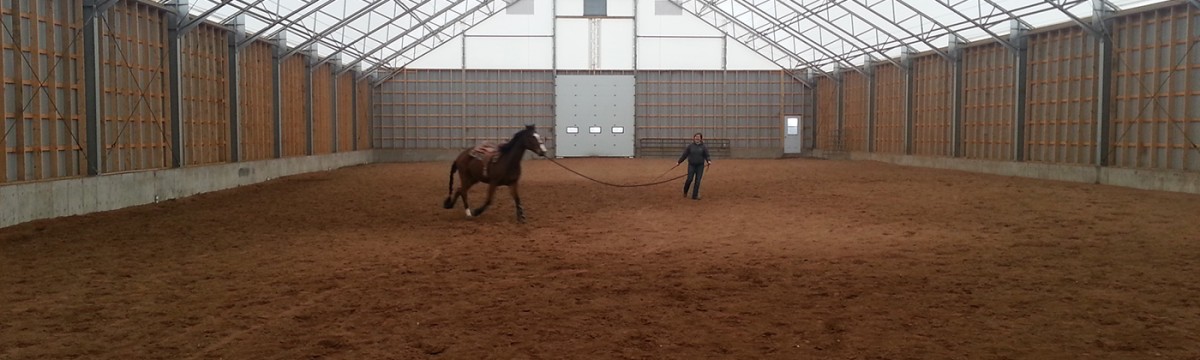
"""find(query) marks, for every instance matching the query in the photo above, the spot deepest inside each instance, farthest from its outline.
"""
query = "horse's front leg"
(517, 199)
(486, 203)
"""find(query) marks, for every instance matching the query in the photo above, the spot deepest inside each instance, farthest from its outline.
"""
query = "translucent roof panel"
(817, 35)
(363, 34)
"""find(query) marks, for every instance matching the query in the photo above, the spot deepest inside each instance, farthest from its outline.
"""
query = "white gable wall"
(570, 41)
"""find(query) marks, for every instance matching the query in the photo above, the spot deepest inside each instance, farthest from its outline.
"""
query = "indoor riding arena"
(889, 179)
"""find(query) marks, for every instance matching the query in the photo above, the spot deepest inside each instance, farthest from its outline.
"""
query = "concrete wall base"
(25, 202)
(1159, 180)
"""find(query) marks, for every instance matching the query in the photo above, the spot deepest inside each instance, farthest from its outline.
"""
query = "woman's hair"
(701, 135)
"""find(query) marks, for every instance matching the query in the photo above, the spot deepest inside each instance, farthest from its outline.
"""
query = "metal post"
(308, 98)
(92, 11)
(956, 97)
(813, 100)
(237, 28)
(1020, 87)
(280, 45)
(839, 136)
(1104, 81)
(175, 18)
(909, 99)
(870, 71)
(354, 111)
(333, 91)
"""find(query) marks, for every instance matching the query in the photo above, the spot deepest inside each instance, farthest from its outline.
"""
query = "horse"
(499, 168)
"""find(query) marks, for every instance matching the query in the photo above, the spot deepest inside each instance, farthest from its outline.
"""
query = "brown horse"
(500, 169)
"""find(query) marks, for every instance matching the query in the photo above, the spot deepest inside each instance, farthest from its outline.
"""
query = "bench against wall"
(673, 147)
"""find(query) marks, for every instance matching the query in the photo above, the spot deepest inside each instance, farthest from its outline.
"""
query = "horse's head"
(533, 141)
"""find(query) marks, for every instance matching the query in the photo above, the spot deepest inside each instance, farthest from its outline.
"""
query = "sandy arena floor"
(782, 259)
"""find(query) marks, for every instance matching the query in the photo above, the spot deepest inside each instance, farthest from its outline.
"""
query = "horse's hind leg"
(517, 199)
(486, 203)
(462, 191)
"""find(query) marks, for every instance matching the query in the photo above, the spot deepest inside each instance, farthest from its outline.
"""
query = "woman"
(697, 156)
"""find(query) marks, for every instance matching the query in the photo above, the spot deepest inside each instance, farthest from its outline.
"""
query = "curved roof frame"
(804, 37)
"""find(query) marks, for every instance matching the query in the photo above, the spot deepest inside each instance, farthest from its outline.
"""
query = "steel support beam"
(368, 34)
(335, 27)
(1020, 87)
(482, 7)
(730, 26)
(798, 35)
(187, 25)
(280, 43)
(405, 33)
(1092, 28)
(871, 97)
(909, 100)
(814, 99)
(903, 28)
(174, 76)
(840, 133)
(93, 91)
(237, 25)
(265, 29)
(956, 97)
(98, 8)
(242, 11)
(1104, 79)
(333, 91)
(309, 98)
(287, 23)
(810, 13)
(354, 112)
(978, 25)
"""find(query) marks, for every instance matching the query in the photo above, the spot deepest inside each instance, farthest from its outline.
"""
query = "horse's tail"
(453, 169)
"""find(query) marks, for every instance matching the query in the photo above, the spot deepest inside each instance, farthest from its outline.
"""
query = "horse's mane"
(505, 147)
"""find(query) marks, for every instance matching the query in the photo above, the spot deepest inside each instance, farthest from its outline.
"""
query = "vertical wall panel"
(456, 108)
(745, 107)
(420, 107)
(855, 108)
(205, 65)
(827, 114)
(1062, 79)
(753, 117)
(295, 132)
(323, 119)
(135, 128)
(501, 102)
(41, 61)
(889, 109)
(1156, 123)
(988, 102)
(676, 104)
(364, 114)
(931, 112)
(257, 103)
(345, 112)
(451, 109)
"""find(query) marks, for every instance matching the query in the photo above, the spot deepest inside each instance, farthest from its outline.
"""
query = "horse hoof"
(469, 213)
(448, 204)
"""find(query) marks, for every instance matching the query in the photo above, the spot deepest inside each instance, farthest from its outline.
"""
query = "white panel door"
(594, 115)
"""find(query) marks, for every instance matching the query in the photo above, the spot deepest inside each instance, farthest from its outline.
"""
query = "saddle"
(488, 153)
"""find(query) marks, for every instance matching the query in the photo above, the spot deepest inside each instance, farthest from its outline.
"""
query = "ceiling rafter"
(793, 34)
(446, 31)
(805, 37)
(730, 26)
